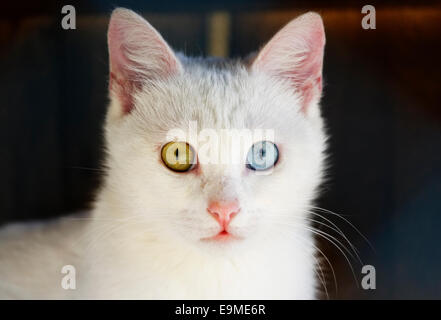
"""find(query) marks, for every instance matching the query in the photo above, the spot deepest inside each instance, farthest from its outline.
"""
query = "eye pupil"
(262, 156)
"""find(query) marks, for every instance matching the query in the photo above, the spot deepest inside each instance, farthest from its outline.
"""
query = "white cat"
(167, 230)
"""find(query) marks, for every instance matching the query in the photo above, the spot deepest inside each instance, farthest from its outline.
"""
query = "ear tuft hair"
(137, 54)
(295, 53)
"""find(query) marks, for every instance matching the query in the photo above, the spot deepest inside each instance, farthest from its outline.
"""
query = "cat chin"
(227, 247)
(223, 241)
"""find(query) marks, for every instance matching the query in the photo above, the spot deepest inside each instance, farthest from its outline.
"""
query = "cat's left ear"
(138, 55)
(295, 53)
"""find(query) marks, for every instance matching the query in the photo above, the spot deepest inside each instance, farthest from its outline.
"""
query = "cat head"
(208, 152)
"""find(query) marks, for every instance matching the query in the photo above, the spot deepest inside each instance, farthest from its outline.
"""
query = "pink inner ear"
(119, 76)
(310, 72)
(137, 54)
(295, 53)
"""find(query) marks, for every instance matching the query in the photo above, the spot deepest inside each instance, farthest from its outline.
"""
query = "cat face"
(209, 153)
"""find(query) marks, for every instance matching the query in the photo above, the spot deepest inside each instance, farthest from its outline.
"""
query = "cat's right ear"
(137, 55)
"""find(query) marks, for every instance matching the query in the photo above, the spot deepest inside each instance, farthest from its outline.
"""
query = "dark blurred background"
(381, 106)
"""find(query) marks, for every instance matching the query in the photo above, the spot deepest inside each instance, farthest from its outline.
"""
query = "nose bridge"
(221, 184)
(222, 192)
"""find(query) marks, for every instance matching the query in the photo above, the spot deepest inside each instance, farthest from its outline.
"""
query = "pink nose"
(223, 211)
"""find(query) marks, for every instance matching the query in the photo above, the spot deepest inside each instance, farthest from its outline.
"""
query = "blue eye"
(262, 156)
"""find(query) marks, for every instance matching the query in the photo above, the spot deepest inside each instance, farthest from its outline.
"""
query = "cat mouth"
(222, 236)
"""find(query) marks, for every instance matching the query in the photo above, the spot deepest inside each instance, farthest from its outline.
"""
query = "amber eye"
(178, 156)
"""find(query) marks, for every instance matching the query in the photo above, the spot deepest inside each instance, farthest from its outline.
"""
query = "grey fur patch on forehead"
(216, 93)
(212, 63)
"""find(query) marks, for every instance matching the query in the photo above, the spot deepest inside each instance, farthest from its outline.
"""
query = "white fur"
(143, 238)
